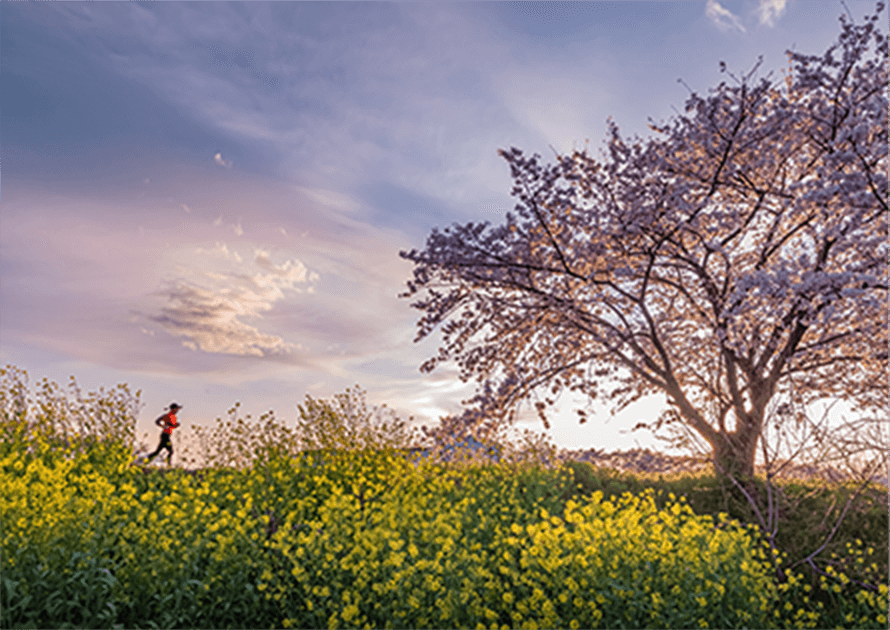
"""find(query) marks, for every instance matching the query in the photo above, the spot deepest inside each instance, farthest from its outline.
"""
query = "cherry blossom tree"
(734, 260)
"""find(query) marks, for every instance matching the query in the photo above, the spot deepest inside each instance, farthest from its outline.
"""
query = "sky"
(207, 200)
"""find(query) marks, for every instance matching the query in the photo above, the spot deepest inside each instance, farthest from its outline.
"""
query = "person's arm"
(162, 421)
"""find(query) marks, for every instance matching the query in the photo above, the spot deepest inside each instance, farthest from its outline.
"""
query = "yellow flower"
(350, 612)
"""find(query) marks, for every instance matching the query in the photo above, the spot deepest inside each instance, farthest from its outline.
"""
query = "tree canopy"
(735, 259)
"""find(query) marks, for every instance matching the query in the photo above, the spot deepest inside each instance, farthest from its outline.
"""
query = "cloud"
(722, 18)
(218, 158)
(208, 309)
(284, 276)
(221, 250)
(331, 199)
(236, 227)
(208, 321)
(341, 109)
(770, 11)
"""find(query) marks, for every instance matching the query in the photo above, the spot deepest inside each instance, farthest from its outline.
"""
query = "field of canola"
(369, 540)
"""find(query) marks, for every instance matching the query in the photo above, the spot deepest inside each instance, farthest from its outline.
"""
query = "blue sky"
(207, 200)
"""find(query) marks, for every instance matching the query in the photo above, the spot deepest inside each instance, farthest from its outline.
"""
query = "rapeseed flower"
(433, 554)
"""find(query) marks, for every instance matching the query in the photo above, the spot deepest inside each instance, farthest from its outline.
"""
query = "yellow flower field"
(364, 538)
(372, 541)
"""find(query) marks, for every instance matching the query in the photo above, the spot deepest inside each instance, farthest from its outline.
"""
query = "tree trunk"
(733, 459)
(733, 455)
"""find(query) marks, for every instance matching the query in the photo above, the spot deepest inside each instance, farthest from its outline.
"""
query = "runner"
(168, 422)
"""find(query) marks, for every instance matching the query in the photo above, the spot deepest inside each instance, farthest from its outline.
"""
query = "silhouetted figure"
(168, 422)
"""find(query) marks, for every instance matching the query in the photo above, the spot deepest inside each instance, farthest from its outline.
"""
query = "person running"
(168, 422)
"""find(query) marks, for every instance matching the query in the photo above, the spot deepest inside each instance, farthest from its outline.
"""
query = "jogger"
(168, 422)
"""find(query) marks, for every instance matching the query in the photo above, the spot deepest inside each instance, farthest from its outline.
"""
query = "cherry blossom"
(737, 257)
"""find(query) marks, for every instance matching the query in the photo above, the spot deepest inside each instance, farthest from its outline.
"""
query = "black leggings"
(165, 443)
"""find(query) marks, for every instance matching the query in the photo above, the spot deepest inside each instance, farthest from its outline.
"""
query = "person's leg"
(151, 456)
(165, 444)
(169, 446)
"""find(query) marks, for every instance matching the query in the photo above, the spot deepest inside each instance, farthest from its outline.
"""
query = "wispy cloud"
(222, 250)
(723, 18)
(218, 158)
(770, 11)
(236, 228)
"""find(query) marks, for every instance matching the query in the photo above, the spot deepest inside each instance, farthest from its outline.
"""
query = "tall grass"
(284, 535)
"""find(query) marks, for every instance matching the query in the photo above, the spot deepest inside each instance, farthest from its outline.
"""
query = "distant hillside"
(635, 460)
(646, 461)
